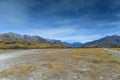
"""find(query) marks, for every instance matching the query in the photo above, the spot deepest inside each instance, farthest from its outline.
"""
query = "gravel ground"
(115, 52)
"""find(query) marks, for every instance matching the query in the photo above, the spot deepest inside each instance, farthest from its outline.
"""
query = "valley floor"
(60, 64)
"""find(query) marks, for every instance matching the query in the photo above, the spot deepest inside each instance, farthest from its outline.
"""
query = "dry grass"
(8, 50)
(55, 67)
(53, 61)
(40, 55)
(85, 62)
(22, 69)
(115, 49)
(93, 55)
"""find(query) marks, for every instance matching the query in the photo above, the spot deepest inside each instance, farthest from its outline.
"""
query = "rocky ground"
(61, 64)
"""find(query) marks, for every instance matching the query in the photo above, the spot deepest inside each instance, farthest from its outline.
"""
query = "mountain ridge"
(108, 41)
(11, 37)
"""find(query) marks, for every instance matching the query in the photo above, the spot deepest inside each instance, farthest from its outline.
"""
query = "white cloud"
(81, 38)
(116, 23)
(50, 32)
(63, 34)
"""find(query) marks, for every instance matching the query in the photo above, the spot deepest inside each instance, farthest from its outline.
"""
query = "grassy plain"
(115, 49)
(73, 64)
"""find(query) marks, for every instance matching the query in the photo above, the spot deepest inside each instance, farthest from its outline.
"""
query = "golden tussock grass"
(93, 55)
(115, 49)
(49, 54)
(56, 60)
(55, 66)
(22, 69)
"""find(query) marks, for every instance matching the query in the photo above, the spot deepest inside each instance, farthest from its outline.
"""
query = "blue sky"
(66, 20)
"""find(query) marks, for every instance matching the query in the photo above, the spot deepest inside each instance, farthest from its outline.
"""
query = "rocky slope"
(108, 41)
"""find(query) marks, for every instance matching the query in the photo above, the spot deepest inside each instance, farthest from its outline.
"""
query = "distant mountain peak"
(10, 33)
(115, 36)
(13, 37)
(108, 41)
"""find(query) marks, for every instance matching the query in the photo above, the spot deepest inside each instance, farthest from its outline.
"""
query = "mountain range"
(108, 41)
(13, 38)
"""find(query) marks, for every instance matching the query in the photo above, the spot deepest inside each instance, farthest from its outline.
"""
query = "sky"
(66, 20)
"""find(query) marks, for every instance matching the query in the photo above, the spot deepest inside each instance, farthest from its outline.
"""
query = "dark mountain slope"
(109, 41)
(74, 44)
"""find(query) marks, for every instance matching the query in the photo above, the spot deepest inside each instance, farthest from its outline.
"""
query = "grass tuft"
(22, 69)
